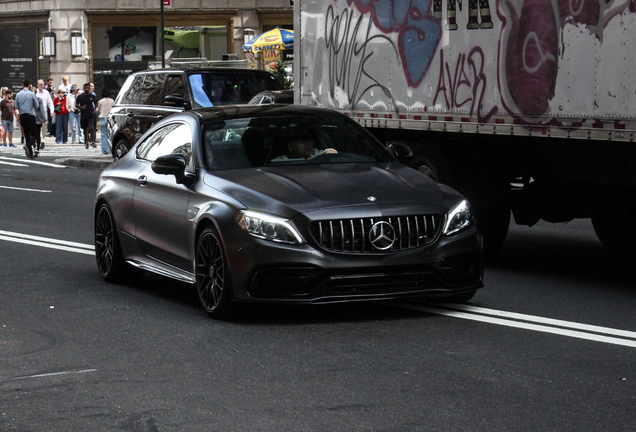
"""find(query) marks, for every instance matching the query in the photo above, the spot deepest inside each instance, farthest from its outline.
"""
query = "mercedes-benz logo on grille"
(382, 235)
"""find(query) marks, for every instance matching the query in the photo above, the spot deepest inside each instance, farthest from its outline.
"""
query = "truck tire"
(482, 183)
(613, 224)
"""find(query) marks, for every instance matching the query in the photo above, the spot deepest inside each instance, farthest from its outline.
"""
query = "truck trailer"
(527, 107)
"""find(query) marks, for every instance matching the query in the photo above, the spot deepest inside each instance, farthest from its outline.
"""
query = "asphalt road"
(548, 344)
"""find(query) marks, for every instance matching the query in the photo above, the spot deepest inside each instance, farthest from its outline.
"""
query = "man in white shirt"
(43, 94)
(65, 85)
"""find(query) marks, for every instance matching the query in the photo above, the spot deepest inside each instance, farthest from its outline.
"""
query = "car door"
(159, 202)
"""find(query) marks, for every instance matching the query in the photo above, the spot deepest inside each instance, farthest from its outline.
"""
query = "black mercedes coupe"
(276, 203)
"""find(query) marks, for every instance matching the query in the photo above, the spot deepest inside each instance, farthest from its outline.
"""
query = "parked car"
(148, 96)
(274, 96)
(276, 203)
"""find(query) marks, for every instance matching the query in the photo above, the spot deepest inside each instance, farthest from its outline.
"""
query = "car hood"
(288, 190)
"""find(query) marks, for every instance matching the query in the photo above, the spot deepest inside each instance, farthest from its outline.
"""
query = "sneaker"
(28, 152)
(73, 142)
(36, 153)
(11, 145)
(4, 145)
(86, 145)
(93, 145)
(41, 145)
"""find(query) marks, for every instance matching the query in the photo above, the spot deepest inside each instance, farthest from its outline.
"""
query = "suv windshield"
(212, 88)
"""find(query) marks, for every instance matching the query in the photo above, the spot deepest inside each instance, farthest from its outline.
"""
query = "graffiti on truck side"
(523, 63)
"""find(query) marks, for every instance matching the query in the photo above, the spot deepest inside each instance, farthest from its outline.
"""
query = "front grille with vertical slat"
(352, 235)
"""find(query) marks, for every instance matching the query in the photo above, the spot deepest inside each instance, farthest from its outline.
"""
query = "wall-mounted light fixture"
(76, 43)
(47, 44)
(248, 35)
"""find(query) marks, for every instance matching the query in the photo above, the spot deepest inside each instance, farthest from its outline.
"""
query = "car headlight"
(458, 218)
(268, 227)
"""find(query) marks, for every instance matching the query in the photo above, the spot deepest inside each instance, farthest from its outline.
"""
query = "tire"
(214, 288)
(120, 148)
(431, 162)
(110, 260)
(613, 224)
(480, 182)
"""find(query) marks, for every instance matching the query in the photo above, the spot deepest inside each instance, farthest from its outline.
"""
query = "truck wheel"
(613, 224)
(431, 162)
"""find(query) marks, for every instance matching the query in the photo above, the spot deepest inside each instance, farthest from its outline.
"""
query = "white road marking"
(527, 322)
(31, 161)
(53, 374)
(47, 242)
(12, 163)
(26, 189)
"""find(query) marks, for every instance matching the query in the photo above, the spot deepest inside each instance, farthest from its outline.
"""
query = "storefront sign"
(18, 57)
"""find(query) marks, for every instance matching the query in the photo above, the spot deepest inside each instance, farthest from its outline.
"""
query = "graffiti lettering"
(347, 57)
(465, 85)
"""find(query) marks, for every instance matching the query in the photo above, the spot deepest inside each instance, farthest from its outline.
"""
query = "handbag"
(57, 109)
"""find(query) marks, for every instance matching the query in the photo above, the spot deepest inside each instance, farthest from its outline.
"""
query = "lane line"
(47, 242)
(13, 164)
(26, 189)
(542, 320)
(53, 374)
(519, 324)
(31, 161)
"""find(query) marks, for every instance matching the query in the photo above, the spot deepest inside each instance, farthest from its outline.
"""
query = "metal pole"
(161, 47)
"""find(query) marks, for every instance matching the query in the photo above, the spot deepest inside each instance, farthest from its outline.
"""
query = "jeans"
(75, 124)
(61, 128)
(49, 119)
(103, 129)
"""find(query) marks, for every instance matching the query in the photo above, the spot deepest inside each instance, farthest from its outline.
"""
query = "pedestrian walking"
(87, 103)
(45, 96)
(74, 115)
(26, 102)
(40, 120)
(7, 106)
(49, 111)
(103, 109)
(61, 118)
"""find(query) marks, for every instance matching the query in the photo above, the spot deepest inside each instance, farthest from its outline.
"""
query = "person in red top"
(61, 117)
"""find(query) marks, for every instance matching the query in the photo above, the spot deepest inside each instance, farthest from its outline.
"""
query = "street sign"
(167, 2)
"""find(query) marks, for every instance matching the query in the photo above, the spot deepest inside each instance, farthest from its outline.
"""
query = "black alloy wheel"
(212, 275)
(108, 254)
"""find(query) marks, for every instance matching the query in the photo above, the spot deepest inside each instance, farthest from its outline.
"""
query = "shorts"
(84, 122)
(8, 125)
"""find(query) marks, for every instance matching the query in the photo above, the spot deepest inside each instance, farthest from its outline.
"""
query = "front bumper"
(270, 272)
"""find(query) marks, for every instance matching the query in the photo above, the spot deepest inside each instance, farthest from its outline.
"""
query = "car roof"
(201, 69)
(238, 111)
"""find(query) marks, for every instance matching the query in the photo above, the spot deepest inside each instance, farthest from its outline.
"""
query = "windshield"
(226, 88)
(277, 141)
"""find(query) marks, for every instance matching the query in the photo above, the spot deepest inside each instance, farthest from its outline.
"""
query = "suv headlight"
(458, 218)
(268, 227)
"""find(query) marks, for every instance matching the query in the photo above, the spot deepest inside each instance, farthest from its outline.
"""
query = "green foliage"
(281, 76)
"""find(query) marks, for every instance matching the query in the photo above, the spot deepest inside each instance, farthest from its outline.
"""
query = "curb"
(93, 163)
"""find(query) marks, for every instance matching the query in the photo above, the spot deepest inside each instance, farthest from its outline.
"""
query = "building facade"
(104, 41)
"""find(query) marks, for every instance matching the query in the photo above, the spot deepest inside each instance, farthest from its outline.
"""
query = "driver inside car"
(302, 147)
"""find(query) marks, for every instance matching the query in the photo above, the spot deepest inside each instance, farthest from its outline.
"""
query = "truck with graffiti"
(528, 107)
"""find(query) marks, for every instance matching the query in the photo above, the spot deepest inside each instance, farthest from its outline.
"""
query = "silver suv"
(148, 96)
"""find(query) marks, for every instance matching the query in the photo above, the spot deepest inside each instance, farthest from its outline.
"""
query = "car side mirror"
(172, 164)
(174, 100)
(402, 152)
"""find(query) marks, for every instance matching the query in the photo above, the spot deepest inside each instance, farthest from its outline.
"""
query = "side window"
(174, 86)
(175, 138)
(151, 91)
(130, 93)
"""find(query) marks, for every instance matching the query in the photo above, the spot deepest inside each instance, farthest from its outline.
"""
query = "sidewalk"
(94, 159)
